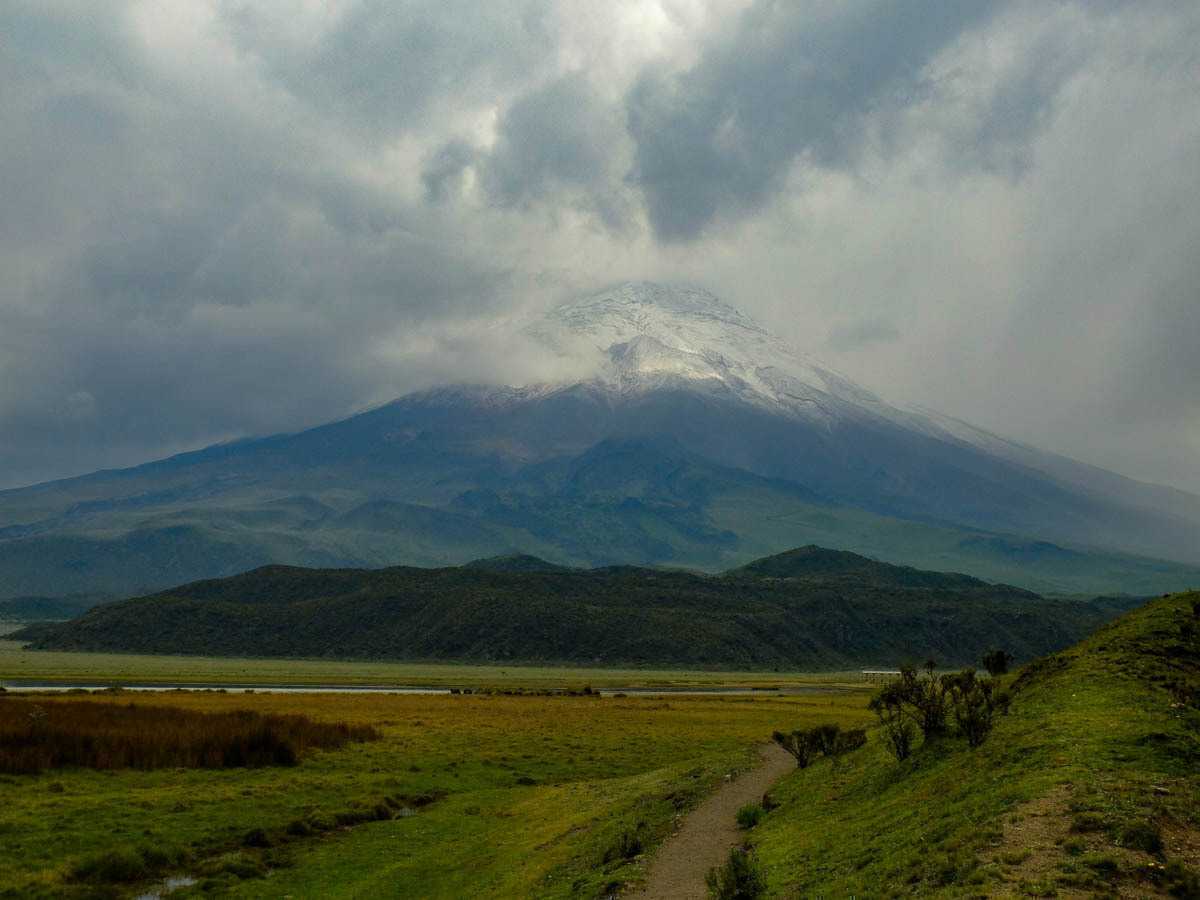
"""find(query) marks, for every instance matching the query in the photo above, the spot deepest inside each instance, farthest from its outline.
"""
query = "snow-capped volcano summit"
(685, 434)
(641, 336)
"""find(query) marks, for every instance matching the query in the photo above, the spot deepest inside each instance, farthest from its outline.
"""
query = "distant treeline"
(806, 609)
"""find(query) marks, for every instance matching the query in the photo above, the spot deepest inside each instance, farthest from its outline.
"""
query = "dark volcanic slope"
(838, 610)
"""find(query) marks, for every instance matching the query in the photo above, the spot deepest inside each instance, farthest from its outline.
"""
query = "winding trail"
(709, 831)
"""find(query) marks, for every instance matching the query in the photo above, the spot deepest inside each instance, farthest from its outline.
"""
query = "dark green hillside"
(516, 562)
(519, 611)
(813, 562)
(1089, 787)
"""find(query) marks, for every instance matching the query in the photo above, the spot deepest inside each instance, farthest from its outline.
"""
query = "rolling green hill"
(833, 611)
(1087, 788)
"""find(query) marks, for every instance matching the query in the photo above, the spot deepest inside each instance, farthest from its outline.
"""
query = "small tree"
(975, 704)
(798, 743)
(848, 740)
(896, 723)
(828, 740)
(997, 662)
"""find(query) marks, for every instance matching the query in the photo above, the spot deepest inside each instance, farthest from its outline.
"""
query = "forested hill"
(807, 609)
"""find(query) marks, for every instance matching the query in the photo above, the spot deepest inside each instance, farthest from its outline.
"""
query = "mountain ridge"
(844, 610)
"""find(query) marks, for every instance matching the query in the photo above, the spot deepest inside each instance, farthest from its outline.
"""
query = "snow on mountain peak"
(641, 335)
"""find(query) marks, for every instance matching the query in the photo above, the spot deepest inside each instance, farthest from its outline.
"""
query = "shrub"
(926, 701)
(921, 698)
(974, 705)
(627, 846)
(750, 815)
(299, 828)
(827, 739)
(1143, 836)
(898, 728)
(799, 744)
(741, 878)
(1102, 864)
(256, 838)
(996, 662)
(849, 740)
(1086, 822)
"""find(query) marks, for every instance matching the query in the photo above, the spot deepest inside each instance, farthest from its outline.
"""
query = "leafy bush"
(923, 698)
(996, 662)
(299, 828)
(750, 815)
(1087, 822)
(799, 744)
(898, 732)
(741, 878)
(628, 845)
(1143, 836)
(828, 740)
(974, 705)
(256, 838)
(848, 740)
(928, 700)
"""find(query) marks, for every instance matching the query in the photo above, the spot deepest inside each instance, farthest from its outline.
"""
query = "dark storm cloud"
(224, 218)
(714, 141)
(384, 66)
(559, 138)
(443, 173)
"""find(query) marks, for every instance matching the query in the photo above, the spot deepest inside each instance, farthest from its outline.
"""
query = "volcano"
(687, 436)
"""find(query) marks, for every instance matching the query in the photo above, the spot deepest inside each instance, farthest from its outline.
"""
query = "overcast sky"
(231, 218)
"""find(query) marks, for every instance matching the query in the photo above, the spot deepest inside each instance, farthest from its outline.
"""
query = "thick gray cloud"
(225, 218)
(559, 139)
(715, 140)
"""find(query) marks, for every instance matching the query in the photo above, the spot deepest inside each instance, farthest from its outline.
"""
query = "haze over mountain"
(685, 435)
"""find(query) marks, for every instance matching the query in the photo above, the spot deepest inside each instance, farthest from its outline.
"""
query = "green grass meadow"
(1089, 786)
(534, 793)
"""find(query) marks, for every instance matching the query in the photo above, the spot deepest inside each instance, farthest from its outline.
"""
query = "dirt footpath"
(703, 841)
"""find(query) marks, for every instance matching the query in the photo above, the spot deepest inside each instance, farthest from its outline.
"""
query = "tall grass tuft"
(100, 735)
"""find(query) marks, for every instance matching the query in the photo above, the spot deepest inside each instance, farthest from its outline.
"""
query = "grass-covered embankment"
(1091, 784)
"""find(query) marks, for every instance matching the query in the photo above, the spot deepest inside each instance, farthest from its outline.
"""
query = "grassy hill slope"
(847, 611)
(1089, 787)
